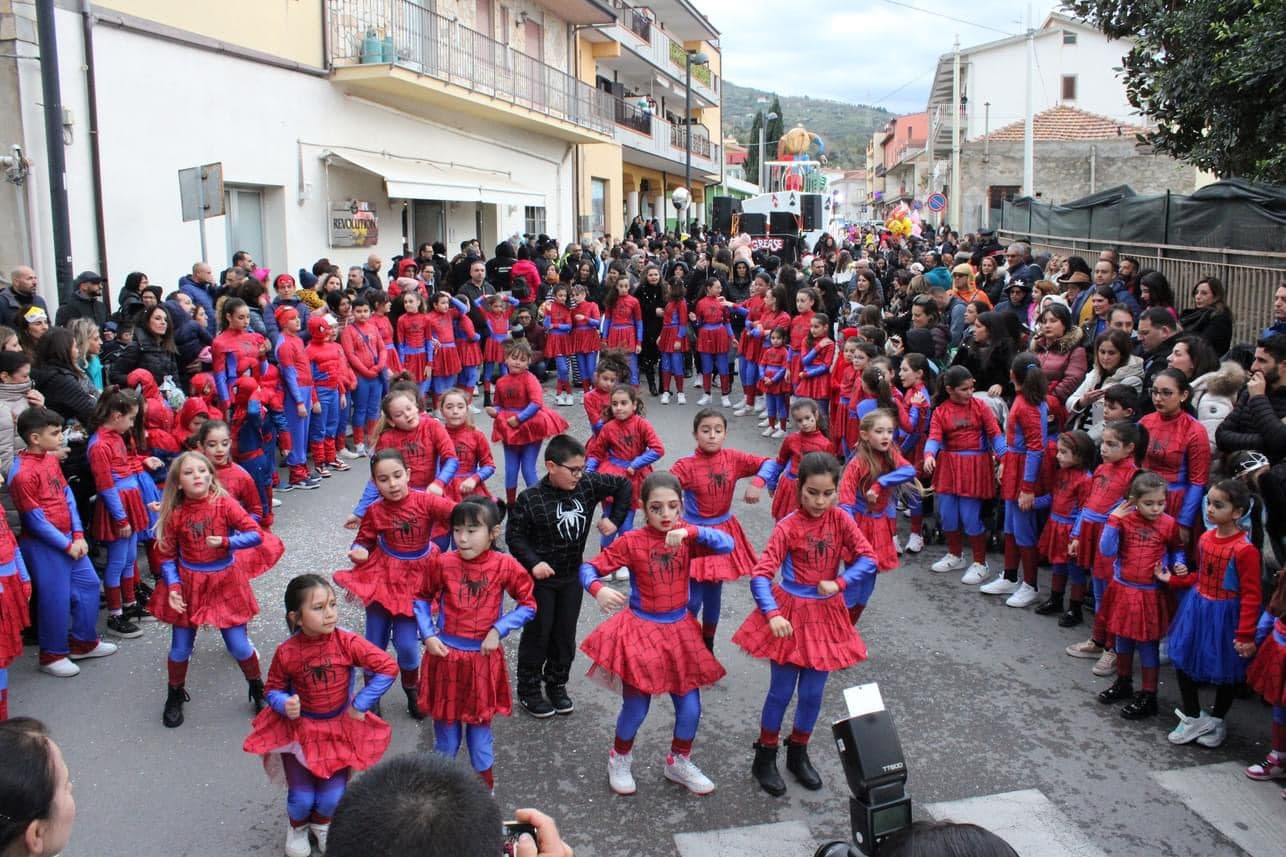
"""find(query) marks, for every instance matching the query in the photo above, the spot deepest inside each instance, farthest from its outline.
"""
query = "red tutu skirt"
(785, 499)
(470, 352)
(392, 583)
(669, 336)
(750, 347)
(824, 637)
(260, 559)
(419, 367)
(816, 387)
(1139, 614)
(586, 340)
(713, 340)
(465, 687)
(880, 532)
(964, 475)
(493, 351)
(653, 657)
(446, 361)
(1087, 555)
(1053, 543)
(1267, 673)
(14, 616)
(722, 568)
(558, 345)
(222, 599)
(104, 528)
(453, 492)
(617, 337)
(324, 747)
(544, 423)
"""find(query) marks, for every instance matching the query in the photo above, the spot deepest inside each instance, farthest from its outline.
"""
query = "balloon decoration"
(794, 145)
(900, 221)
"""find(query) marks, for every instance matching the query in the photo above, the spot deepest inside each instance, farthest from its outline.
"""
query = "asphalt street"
(985, 701)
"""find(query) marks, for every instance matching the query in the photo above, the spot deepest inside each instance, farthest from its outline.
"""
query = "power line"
(879, 101)
(949, 17)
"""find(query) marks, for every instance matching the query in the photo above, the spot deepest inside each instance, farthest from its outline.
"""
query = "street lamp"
(763, 153)
(693, 58)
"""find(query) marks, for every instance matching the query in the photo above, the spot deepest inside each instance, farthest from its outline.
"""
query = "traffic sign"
(937, 202)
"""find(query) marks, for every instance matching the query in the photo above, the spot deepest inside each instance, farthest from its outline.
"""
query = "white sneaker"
(761, 407)
(679, 769)
(622, 573)
(725, 402)
(350, 456)
(914, 543)
(62, 668)
(297, 844)
(975, 574)
(321, 832)
(361, 450)
(740, 404)
(1026, 596)
(704, 400)
(473, 409)
(897, 545)
(999, 586)
(950, 562)
(102, 650)
(762, 423)
(1216, 735)
(665, 397)
(680, 398)
(741, 411)
(781, 432)
(767, 432)
(698, 381)
(1190, 728)
(619, 776)
(275, 502)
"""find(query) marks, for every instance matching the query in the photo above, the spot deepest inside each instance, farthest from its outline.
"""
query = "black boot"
(765, 770)
(486, 396)
(1122, 688)
(649, 372)
(1072, 617)
(557, 696)
(1144, 704)
(256, 693)
(531, 698)
(173, 714)
(798, 763)
(413, 703)
(1052, 605)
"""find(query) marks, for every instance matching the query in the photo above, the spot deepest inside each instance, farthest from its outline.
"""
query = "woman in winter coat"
(651, 297)
(68, 392)
(1214, 395)
(130, 299)
(1209, 316)
(152, 349)
(190, 337)
(1060, 350)
(1114, 363)
(990, 356)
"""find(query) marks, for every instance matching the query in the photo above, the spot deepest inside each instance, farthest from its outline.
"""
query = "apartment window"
(244, 222)
(598, 205)
(534, 219)
(1069, 37)
(998, 195)
(1069, 87)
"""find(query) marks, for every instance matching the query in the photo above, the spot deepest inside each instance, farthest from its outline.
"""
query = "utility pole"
(954, 204)
(1029, 130)
(55, 155)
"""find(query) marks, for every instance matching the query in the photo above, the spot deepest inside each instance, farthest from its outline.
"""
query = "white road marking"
(1251, 814)
(1026, 819)
(784, 839)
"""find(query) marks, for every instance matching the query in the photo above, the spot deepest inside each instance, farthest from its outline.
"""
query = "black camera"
(871, 754)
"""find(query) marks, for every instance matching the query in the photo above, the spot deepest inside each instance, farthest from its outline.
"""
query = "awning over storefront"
(412, 179)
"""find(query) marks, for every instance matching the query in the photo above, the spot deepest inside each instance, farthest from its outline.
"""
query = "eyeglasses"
(574, 471)
(1158, 393)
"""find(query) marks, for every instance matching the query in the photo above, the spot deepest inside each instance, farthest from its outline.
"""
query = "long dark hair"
(297, 589)
(166, 342)
(28, 778)
(54, 349)
(953, 377)
(1029, 378)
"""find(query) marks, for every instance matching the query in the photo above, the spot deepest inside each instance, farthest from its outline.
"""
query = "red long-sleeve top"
(403, 526)
(799, 330)
(40, 495)
(659, 573)
(193, 521)
(364, 349)
(768, 362)
(1024, 448)
(292, 355)
(795, 446)
(329, 368)
(471, 448)
(623, 316)
(1143, 544)
(442, 325)
(318, 669)
(815, 547)
(626, 441)
(1228, 567)
(240, 485)
(413, 330)
(385, 328)
(471, 593)
(959, 428)
(1108, 486)
(421, 447)
(596, 402)
(770, 321)
(710, 310)
(709, 480)
(1071, 491)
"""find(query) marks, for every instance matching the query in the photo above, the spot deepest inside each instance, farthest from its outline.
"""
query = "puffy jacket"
(201, 296)
(1257, 422)
(189, 336)
(1130, 375)
(79, 306)
(13, 401)
(13, 305)
(1213, 396)
(66, 392)
(145, 352)
(1063, 362)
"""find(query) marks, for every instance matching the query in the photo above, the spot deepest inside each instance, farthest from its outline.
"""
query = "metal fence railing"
(1250, 278)
(701, 147)
(406, 34)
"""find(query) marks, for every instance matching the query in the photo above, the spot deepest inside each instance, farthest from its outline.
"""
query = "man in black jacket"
(85, 302)
(546, 532)
(20, 296)
(1256, 421)
(1157, 332)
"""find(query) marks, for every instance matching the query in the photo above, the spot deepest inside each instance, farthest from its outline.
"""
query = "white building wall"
(164, 107)
(998, 75)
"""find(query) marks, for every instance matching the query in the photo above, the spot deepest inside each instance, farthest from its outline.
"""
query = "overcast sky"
(864, 51)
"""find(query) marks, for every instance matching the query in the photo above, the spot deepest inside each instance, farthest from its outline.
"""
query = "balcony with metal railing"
(399, 52)
(654, 142)
(638, 31)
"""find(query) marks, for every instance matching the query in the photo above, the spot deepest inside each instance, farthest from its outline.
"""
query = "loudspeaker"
(783, 223)
(754, 224)
(810, 206)
(724, 208)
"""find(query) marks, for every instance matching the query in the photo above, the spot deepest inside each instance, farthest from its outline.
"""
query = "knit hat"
(285, 313)
(306, 279)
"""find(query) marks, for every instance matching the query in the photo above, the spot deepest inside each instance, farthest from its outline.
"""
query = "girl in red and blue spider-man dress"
(709, 478)
(809, 438)
(844, 384)
(414, 345)
(914, 415)
(199, 532)
(466, 343)
(443, 311)
(714, 336)
(813, 380)
(15, 595)
(622, 325)
(1178, 449)
(1026, 436)
(558, 340)
(520, 420)
(496, 310)
(749, 345)
(1267, 677)
(1145, 547)
(871, 479)
(962, 432)
(627, 445)
(654, 646)
(610, 370)
(673, 341)
(472, 449)
(318, 727)
(774, 382)
(801, 625)
(214, 439)
(465, 683)
(806, 302)
(391, 555)
(587, 337)
(237, 350)
(1069, 491)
